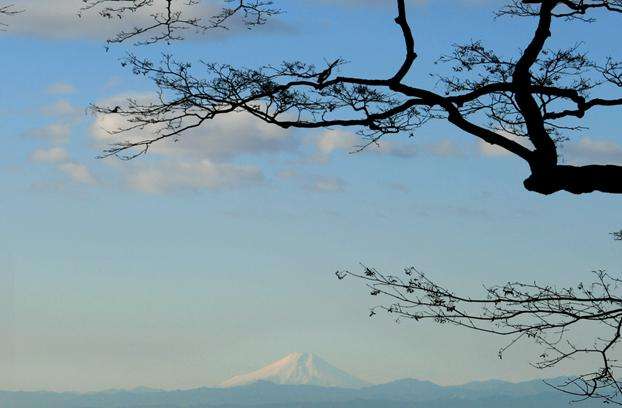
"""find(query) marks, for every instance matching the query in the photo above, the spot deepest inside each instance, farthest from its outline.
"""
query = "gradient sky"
(198, 262)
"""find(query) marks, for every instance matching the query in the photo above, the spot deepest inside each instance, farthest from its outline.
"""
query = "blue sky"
(216, 256)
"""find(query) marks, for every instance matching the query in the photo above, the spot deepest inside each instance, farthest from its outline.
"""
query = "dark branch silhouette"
(525, 105)
(171, 18)
(7, 10)
(567, 323)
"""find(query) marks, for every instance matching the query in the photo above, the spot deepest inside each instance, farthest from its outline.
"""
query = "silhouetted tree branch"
(171, 18)
(7, 10)
(556, 319)
(525, 105)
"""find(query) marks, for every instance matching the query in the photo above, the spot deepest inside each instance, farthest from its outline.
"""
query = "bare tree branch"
(556, 319)
(7, 10)
(172, 18)
(525, 105)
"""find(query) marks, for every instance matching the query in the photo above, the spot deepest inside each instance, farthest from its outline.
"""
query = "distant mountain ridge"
(304, 380)
(262, 394)
(298, 369)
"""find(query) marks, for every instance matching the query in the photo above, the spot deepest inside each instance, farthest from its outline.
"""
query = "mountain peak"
(298, 369)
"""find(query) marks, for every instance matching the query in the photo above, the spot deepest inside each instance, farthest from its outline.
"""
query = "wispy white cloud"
(192, 175)
(444, 148)
(51, 155)
(60, 19)
(489, 150)
(55, 132)
(78, 173)
(61, 88)
(222, 138)
(61, 108)
(317, 183)
(326, 184)
(64, 115)
(60, 160)
(586, 150)
(404, 149)
(202, 158)
(331, 141)
(589, 150)
(63, 19)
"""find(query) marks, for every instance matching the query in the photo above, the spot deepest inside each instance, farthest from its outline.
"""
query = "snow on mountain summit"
(298, 369)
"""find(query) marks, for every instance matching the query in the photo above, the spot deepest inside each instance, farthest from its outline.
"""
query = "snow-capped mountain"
(298, 369)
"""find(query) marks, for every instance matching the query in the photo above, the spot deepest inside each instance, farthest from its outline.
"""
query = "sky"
(216, 256)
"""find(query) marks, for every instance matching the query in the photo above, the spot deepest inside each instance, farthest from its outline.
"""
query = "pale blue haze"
(103, 286)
